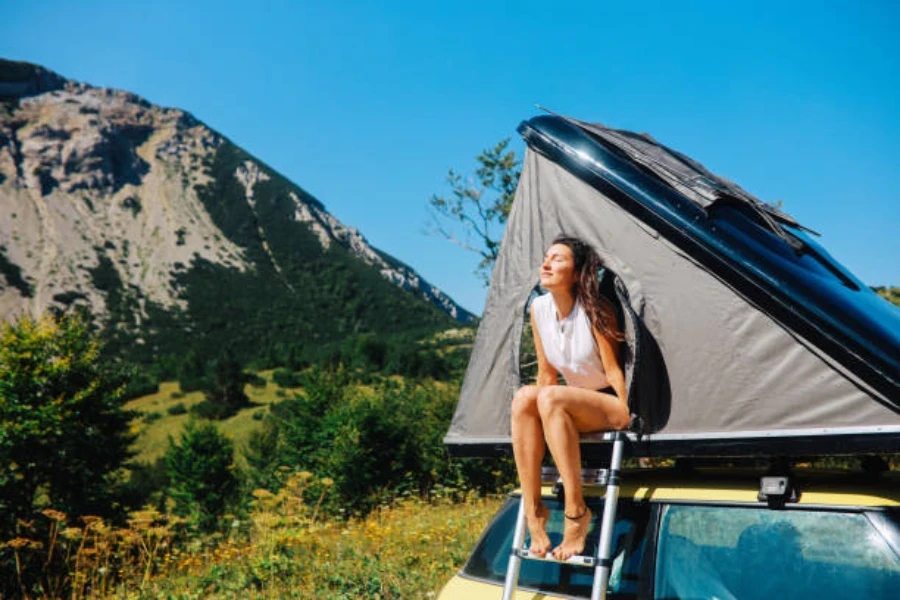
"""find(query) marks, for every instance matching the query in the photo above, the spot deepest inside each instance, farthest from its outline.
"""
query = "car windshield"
(491, 555)
(747, 553)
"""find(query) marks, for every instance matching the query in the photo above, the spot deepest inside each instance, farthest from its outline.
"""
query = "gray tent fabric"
(731, 370)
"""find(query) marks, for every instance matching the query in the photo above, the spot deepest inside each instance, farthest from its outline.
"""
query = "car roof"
(831, 488)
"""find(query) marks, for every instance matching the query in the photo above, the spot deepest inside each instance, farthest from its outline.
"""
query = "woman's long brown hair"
(600, 310)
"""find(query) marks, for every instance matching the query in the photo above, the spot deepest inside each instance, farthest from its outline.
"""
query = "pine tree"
(201, 472)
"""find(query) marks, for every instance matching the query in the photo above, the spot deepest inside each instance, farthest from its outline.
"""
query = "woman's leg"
(529, 449)
(565, 412)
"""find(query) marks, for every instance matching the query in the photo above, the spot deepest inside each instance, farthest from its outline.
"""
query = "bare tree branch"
(477, 204)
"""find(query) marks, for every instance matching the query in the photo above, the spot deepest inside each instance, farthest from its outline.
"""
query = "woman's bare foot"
(537, 528)
(574, 535)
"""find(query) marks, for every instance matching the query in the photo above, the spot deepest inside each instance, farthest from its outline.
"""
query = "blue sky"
(366, 105)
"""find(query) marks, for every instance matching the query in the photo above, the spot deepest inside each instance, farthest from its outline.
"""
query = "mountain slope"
(174, 238)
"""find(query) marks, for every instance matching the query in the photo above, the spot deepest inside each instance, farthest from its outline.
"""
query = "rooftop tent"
(744, 337)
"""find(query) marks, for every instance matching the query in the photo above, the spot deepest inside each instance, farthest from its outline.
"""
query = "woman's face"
(558, 268)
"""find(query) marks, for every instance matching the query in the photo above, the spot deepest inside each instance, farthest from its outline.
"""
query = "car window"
(491, 556)
(749, 553)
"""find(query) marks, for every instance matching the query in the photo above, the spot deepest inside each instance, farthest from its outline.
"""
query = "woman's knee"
(549, 399)
(524, 401)
(620, 418)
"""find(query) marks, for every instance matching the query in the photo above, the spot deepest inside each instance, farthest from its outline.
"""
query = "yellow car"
(700, 533)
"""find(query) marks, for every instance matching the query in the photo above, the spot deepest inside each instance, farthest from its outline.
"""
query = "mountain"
(173, 237)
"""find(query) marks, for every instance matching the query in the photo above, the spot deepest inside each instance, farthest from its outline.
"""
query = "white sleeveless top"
(569, 344)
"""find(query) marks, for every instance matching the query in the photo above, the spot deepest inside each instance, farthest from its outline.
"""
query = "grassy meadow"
(159, 418)
(280, 549)
(159, 415)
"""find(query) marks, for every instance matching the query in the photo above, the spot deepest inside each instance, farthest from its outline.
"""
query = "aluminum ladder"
(602, 561)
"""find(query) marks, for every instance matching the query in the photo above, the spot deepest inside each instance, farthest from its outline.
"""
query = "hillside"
(174, 238)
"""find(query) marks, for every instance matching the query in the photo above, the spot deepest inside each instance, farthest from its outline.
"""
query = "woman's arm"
(609, 356)
(546, 374)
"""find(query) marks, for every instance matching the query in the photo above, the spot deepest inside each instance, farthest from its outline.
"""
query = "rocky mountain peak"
(105, 197)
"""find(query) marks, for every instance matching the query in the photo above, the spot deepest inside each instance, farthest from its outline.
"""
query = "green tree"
(63, 430)
(223, 389)
(201, 472)
(191, 372)
(263, 459)
(478, 206)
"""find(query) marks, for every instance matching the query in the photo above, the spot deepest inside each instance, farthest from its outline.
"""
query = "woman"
(576, 334)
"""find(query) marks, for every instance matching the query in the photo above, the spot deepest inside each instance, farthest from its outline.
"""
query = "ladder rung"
(577, 560)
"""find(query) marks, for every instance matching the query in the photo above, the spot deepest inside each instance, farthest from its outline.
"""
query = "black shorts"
(608, 390)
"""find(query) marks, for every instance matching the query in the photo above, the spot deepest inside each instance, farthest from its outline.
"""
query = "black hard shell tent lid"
(743, 336)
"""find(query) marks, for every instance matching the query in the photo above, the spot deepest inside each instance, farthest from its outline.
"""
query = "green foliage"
(479, 205)
(256, 381)
(374, 442)
(63, 430)
(413, 360)
(63, 436)
(146, 484)
(224, 389)
(286, 378)
(191, 372)
(201, 473)
(140, 383)
(262, 456)
(177, 409)
(368, 352)
(151, 417)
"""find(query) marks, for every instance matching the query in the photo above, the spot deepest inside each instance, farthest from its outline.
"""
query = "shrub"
(132, 203)
(286, 378)
(151, 417)
(256, 381)
(177, 409)
(140, 384)
(211, 411)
